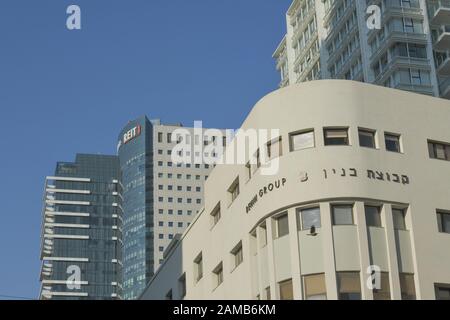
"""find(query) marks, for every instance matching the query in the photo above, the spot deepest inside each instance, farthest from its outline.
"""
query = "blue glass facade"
(81, 230)
(135, 151)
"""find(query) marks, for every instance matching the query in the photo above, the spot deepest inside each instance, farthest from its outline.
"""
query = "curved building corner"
(361, 186)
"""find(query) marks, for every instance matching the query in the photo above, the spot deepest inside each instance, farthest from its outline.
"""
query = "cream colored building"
(367, 166)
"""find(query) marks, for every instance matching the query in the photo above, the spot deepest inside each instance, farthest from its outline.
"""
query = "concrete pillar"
(328, 252)
(391, 249)
(363, 245)
(295, 255)
(275, 295)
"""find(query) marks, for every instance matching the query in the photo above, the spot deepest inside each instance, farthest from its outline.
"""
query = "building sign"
(131, 134)
(370, 174)
(266, 190)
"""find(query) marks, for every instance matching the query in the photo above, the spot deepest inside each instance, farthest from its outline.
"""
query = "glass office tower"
(81, 231)
(160, 197)
(136, 162)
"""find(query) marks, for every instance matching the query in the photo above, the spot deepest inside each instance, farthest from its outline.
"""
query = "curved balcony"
(439, 12)
(443, 67)
(442, 42)
(444, 88)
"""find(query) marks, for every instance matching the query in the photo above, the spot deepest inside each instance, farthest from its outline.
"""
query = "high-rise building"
(331, 39)
(160, 196)
(358, 207)
(81, 245)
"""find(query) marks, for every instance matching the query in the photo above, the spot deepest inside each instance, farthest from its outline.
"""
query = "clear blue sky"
(63, 92)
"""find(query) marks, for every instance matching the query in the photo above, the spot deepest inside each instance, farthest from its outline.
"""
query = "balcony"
(422, 89)
(444, 89)
(398, 62)
(284, 83)
(442, 41)
(439, 12)
(443, 67)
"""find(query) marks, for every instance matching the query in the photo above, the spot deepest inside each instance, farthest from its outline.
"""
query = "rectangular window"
(215, 214)
(336, 137)
(349, 285)
(392, 142)
(282, 225)
(263, 233)
(309, 218)
(407, 286)
(398, 216)
(237, 254)
(439, 150)
(234, 189)
(182, 286)
(443, 221)
(268, 295)
(302, 140)
(218, 275)
(198, 267)
(442, 291)
(248, 168)
(258, 159)
(373, 216)
(342, 215)
(286, 290)
(160, 137)
(384, 292)
(314, 286)
(367, 138)
(274, 149)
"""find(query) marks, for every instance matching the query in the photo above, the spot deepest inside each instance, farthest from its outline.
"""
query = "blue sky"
(63, 92)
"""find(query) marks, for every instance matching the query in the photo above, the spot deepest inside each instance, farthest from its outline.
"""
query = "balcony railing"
(444, 88)
(443, 64)
(442, 39)
(439, 11)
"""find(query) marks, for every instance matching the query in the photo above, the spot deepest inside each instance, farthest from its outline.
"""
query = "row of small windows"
(237, 259)
(338, 136)
(179, 165)
(348, 285)
(182, 153)
(171, 212)
(341, 215)
(306, 139)
(179, 188)
(180, 200)
(217, 273)
(368, 138)
(161, 237)
(180, 176)
(171, 224)
(187, 139)
(309, 219)
(348, 282)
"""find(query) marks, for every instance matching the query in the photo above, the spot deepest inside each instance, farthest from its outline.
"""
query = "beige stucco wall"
(422, 250)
